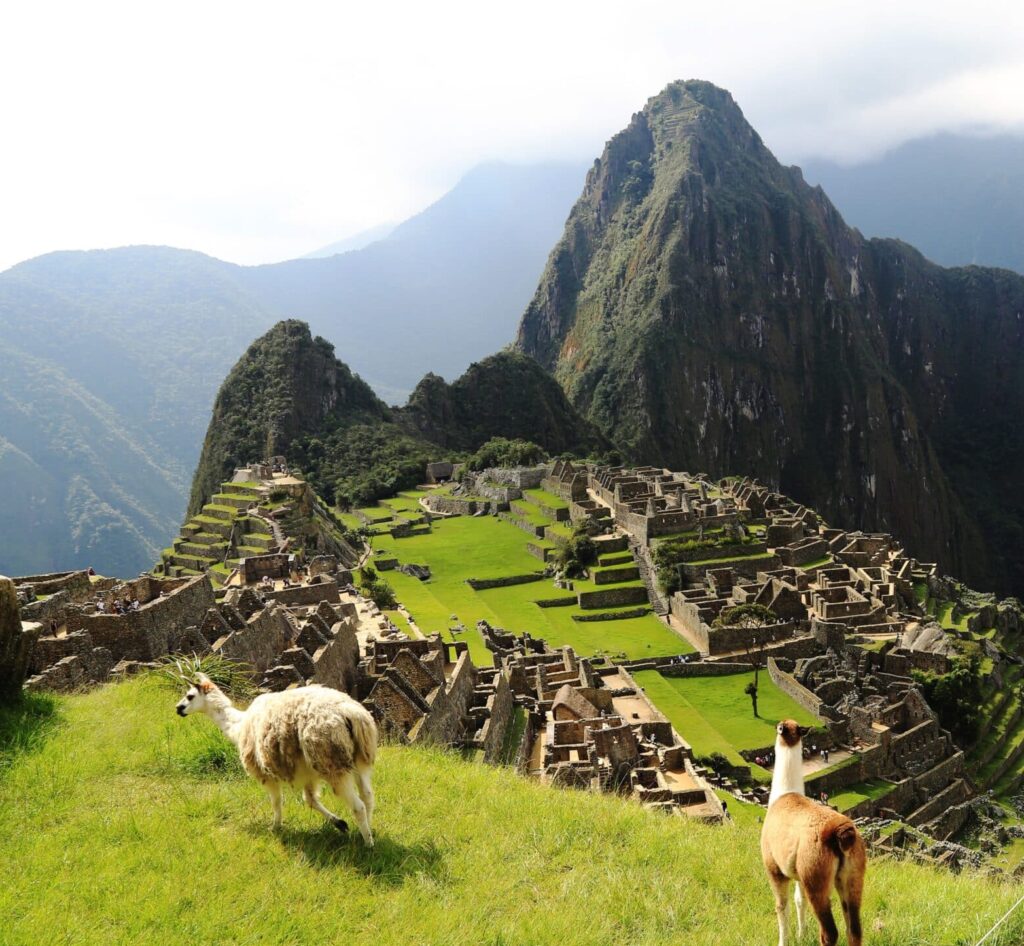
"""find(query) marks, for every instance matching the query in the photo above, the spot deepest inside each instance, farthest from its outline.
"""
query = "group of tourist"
(119, 606)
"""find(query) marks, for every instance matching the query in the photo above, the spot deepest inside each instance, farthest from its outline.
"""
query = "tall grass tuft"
(180, 671)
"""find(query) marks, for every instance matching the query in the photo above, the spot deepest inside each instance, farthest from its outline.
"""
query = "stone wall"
(148, 633)
(276, 565)
(453, 506)
(337, 661)
(741, 567)
(262, 640)
(17, 641)
(481, 584)
(449, 707)
(324, 590)
(75, 583)
(795, 690)
(622, 615)
(502, 706)
(46, 610)
(613, 597)
(607, 576)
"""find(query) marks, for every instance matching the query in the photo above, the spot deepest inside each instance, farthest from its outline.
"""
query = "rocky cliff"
(290, 395)
(707, 309)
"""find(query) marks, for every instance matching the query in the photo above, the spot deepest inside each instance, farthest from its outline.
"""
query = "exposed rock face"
(16, 643)
(707, 309)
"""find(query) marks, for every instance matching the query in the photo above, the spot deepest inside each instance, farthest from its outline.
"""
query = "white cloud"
(258, 131)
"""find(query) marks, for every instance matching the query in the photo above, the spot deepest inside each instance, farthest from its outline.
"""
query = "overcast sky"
(259, 131)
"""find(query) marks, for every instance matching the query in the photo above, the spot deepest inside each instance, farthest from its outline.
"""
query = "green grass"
(731, 558)
(134, 826)
(529, 513)
(713, 714)
(548, 499)
(485, 547)
(944, 615)
(818, 562)
(861, 791)
(401, 622)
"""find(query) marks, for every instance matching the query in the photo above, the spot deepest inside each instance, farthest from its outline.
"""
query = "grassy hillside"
(121, 823)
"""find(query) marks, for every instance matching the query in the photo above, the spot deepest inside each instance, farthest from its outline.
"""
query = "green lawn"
(529, 513)
(713, 714)
(874, 788)
(485, 547)
(122, 824)
(548, 499)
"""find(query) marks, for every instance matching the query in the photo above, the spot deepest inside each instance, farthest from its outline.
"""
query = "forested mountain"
(958, 199)
(289, 394)
(708, 309)
(112, 358)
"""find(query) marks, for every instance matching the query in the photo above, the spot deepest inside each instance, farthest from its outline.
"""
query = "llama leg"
(345, 786)
(311, 794)
(820, 897)
(366, 791)
(851, 914)
(274, 791)
(850, 886)
(801, 909)
(780, 884)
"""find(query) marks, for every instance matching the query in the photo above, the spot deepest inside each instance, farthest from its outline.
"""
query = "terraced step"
(218, 526)
(233, 500)
(259, 541)
(198, 562)
(551, 506)
(247, 489)
(999, 737)
(219, 511)
(607, 576)
(195, 548)
(618, 559)
(206, 538)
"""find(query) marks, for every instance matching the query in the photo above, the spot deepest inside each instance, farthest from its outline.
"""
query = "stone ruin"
(593, 727)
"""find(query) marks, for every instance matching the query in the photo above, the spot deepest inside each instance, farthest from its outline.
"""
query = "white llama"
(301, 737)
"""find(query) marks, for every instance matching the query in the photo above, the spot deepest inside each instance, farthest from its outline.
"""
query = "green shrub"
(575, 554)
(501, 452)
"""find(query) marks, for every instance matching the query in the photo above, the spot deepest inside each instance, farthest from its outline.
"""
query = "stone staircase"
(647, 574)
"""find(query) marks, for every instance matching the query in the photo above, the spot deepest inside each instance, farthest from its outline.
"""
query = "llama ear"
(203, 683)
(802, 731)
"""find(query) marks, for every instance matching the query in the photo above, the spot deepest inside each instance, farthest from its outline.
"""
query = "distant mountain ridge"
(112, 357)
(707, 309)
(959, 199)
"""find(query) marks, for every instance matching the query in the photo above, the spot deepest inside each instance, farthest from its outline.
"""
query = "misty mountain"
(355, 242)
(958, 199)
(111, 358)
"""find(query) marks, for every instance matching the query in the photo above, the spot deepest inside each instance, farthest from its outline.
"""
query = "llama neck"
(788, 776)
(228, 719)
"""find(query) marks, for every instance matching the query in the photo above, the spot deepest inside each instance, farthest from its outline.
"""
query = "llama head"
(790, 733)
(195, 699)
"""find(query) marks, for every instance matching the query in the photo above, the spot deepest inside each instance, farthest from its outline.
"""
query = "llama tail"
(846, 838)
(364, 739)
